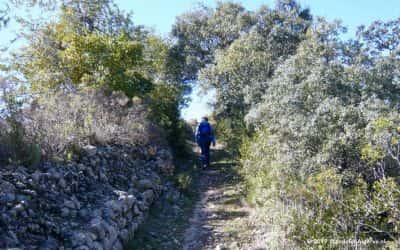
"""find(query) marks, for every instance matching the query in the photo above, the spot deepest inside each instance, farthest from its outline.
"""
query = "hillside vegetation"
(312, 117)
(90, 120)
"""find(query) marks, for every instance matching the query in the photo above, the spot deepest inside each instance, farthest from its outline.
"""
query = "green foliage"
(231, 131)
(155, 54)
(87, 59)
(165, 102)
(235, 52)
(183, 181)
(371, 154)
(202, 31)
(14, 147)
(322, 206)
(325, 143)
(315, 117)
(13, 144)
(95, 46)
(34, 154)
(334, 212)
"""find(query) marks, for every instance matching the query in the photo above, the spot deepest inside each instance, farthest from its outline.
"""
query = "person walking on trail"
(204, 138)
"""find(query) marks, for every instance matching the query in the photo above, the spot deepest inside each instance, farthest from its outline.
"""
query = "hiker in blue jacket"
(204, 138)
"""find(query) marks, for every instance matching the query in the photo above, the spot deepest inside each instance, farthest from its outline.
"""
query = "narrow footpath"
(202, 209)
(218, 207)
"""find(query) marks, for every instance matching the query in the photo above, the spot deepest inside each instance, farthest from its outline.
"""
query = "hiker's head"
(205, 118)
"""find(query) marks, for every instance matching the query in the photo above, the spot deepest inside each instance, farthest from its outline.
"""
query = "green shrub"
(322, 206)
(231, 132)
(14, 146)
(326, 146)
(165, 102)
(183, 181)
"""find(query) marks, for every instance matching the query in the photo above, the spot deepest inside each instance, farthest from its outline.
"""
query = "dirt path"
(219, 207)
(205, 216)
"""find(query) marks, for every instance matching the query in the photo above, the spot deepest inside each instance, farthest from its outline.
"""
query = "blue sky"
(161, 14)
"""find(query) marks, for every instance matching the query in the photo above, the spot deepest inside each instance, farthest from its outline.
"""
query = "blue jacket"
(211, 135)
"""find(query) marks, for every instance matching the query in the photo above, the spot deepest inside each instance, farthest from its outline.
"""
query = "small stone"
(122, 222)
(64, 212)
(73, 213)
(83, 213)
(109, 213)
(93, 236)
(7, 197)
(54, 173)
(96, 226)
(62, 183)
(115, 205)
(31, 213)
(130, 199)
(124, 234)
(78, 239)
(49, 244)
(20, 185)
(122, 99)
(81, 166)
(90, 150)
(112, 237)
(145, 184)
(4, 218)
(136, 210)
(148, 196)
(103, 177)
(120, 193)
(77, 204)
(11, 239)
(142, 206)
(69, 204)
(84, 247)
(117, 245)
(36, 176)
(29, 192)
(96, 246)
(22, 198)
(93, 162)
(19, 208)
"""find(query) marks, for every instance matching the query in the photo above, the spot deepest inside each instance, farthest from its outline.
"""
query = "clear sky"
(161, 14)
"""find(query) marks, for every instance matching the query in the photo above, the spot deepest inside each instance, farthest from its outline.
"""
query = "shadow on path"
(219, 203)
(195, 208)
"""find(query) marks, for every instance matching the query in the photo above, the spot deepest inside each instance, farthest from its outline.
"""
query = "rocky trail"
(207, 213)
(219, 204)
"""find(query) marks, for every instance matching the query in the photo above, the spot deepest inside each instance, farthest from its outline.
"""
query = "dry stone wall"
(95, 201)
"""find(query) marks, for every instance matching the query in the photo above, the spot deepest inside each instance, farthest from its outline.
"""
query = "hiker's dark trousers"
(205, 152)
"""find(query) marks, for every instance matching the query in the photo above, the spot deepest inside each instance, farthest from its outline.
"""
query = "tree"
(326, 138)
(199, 33)
(241, 68)
(92, 45)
